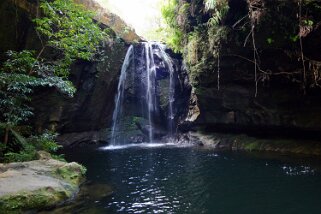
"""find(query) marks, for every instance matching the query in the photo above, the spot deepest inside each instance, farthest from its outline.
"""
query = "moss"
(252, 146)
(71, 172)
(246, 143)
(164, 94)
(192, 49)
(38, 199)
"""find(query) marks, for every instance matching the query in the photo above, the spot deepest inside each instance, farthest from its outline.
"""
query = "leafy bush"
(71, 31)
(174, 33)
(218, 8)
(16, 87)
(44, 142)
(69, 28)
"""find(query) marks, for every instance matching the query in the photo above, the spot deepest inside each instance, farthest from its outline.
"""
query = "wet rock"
(137, 139)
(86, 201)
(90, 137)
(95, 191)
(194, 111)
(241, 142)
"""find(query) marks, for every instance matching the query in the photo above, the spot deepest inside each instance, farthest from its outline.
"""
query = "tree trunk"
(6, 136)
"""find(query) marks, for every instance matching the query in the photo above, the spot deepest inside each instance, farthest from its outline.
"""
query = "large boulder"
(38, 184)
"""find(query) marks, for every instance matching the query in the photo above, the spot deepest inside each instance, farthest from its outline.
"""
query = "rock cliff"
(255, 81)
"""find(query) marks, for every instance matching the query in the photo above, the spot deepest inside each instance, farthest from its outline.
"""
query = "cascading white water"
(138, 85)
(150, 90)
(119, 98)
(171, 96)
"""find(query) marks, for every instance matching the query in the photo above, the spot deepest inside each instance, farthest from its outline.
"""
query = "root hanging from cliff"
(218, 69)
(256, 11)
(315, 67)
(302, 33)
(255, 60)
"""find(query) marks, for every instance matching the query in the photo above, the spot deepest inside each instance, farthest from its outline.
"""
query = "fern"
(219, 8)
(210, 4)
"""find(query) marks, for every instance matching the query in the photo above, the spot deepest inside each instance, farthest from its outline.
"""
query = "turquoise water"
(167, 179)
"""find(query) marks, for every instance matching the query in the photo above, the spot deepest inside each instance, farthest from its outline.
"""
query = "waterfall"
(145, 66)
(171, 97)
(120, 97)
(150, 90)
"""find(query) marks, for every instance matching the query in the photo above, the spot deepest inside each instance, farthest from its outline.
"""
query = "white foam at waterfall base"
(146, 145)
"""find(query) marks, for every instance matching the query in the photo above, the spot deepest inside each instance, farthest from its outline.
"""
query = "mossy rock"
(42, 198)
(38, 184)
(71, 172)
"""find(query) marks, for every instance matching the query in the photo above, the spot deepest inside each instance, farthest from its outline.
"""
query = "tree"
(16, 87)
(70, 30)
(64, 27)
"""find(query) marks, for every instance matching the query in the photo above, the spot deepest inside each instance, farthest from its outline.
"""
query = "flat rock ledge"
(38, 184)
(242, 142)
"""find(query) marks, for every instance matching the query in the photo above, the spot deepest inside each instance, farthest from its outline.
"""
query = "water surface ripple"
(167, 179)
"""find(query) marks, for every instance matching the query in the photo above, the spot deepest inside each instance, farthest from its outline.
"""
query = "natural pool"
(171, 179)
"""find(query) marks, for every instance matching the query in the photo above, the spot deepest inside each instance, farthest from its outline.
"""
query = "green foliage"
(219, 9)
(68, 27)
(210, 4)
(16, 85)
(192, 48)
(169, 12)
(308, 22)
(44, 142)
(24, 155)
(216, 36)
(176, 15)
(294, 38)
(174, 39)
(174, 34)
(182, 16)
(269, 40)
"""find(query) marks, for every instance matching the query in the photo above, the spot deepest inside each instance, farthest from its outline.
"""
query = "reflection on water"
(168, 179)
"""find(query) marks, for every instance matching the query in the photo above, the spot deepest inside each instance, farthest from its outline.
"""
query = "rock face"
(17, 30)
(111, 20)
(90, 111)
(88, 114)
(102, 15)
(38, 184)
(222, 68)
